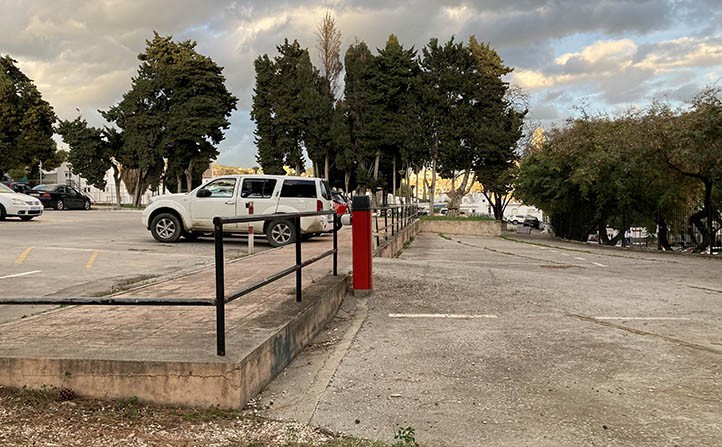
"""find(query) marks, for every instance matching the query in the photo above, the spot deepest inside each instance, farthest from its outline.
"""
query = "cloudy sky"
(607, 55)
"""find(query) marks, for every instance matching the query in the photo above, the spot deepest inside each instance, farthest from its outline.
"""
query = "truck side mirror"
(203, 193)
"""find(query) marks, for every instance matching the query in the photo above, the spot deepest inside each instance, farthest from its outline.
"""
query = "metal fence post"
(220, 288)
(393, 223)
(298, 259)
(336, 220)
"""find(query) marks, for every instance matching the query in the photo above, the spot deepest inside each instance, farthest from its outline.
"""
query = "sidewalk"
(168, 354)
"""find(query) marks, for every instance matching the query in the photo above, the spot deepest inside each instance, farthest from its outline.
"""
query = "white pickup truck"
(170, 216)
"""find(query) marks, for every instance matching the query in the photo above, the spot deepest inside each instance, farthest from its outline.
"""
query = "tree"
(390, 127)
(26, 122)
(693, 151)
(92, 152)
(328, 43)
(176, 111)
(358, 61)
(322, 139)
(472, 127)
(286, 90)
(601, 171)
(270, 154)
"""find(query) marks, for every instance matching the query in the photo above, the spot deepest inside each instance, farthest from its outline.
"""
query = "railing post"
(335, 243)
(376, 221)
(393, 224)
(298, 258)
(386, 224)
(220, 288)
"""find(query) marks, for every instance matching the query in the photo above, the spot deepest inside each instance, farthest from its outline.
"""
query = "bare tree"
(328, 43)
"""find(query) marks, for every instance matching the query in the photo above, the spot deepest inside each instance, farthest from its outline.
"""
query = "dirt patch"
(54, 417)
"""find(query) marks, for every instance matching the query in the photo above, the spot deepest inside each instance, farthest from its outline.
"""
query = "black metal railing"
(220, 299)
(390, 220)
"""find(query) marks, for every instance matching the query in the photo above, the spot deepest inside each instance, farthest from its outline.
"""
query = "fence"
(221, 299)
(394, 219)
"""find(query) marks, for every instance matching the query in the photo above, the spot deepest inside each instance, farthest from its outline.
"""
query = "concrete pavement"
(476, 341)
(468, 340)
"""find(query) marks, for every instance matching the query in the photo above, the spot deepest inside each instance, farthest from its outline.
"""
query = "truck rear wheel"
(280, 232)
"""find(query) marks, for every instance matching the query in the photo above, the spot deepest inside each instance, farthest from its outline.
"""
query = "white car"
(170, 216)
(13, 204)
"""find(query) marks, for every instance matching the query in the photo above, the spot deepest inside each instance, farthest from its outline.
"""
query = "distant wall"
(470, 227)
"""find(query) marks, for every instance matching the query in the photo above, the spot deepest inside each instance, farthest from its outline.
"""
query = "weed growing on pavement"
(406, 437)
(408, 243)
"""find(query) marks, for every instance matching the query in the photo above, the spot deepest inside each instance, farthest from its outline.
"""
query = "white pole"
(251, 248)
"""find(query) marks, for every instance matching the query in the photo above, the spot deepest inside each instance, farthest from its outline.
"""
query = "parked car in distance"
(14, 204)
(21, 187)
(170, 216)
(61, 197)
(531, 221)
(340, 203)
(342, 206)
(516, 219)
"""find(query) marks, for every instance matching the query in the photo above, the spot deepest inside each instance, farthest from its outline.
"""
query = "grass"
(459, 218)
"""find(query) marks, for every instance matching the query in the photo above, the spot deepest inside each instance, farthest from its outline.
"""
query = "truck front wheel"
(166, 227)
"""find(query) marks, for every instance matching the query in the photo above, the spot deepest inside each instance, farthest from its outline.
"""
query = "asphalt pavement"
(474, 341)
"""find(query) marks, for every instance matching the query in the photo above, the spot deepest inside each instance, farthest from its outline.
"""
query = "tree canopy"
(26, 122)
(176, 111)
(659, 167)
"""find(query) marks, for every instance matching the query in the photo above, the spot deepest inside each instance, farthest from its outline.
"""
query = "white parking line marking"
(598, 264)
(458, 316)
(645, 318)
(564, 254)
(579, 259)
(20, 274)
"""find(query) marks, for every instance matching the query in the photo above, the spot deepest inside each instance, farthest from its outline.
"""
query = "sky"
(604, 55)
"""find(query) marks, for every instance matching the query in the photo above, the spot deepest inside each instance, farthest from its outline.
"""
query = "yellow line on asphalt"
(89, 265)
(20, 259)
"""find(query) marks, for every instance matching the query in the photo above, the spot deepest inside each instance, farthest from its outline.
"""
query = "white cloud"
(83, 53)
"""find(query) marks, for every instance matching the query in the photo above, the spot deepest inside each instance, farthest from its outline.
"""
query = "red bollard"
(362, 252)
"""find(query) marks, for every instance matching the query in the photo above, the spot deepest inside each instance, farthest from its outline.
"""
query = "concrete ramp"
(167, 354)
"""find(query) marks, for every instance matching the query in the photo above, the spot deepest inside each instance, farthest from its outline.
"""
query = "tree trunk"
(393, 174)
(432, 190)
(178, 184)
(116, 180)
(346, 180)
(139, 188)
(457, 194)
(662, 240)
(327, 166)
(696, 220)
(189, 176)
(416, 191)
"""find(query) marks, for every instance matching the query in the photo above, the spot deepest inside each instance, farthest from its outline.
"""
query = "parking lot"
(87, 253)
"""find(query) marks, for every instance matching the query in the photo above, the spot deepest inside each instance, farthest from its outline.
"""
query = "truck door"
(220, 202)
(262, 192)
